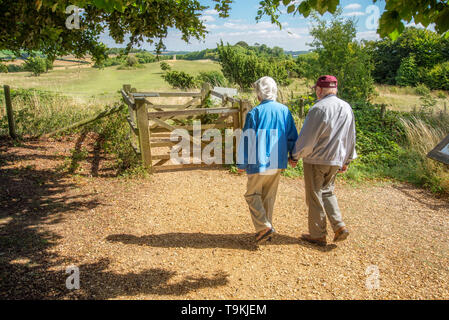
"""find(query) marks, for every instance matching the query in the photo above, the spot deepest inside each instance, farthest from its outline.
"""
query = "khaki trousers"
(321, 199)
(260, 195)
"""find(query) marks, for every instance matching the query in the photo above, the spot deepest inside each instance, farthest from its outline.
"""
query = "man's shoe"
(264, 235)
(341, 234)
(319, 241)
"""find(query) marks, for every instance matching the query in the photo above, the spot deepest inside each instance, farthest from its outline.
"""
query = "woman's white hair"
(266, 88)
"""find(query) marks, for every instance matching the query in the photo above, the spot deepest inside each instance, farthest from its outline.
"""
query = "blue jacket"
(267, 139)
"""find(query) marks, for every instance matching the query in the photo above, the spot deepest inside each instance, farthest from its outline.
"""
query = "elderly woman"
(268, 137)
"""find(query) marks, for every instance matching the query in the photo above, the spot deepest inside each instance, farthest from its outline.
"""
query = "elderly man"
(326, 144)
(268, 136)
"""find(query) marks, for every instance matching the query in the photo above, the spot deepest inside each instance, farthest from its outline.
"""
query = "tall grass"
(37, 112)
(423, 137)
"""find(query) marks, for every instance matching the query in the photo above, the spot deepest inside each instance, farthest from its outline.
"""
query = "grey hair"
(266, 88)
(326, 91)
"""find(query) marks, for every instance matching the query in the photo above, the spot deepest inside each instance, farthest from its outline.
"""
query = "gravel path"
(188, 235)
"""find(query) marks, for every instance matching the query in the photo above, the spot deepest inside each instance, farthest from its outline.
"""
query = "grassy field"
(103, 85)
(93, 85)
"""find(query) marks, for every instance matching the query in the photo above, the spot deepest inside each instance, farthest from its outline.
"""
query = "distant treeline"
(261, 50)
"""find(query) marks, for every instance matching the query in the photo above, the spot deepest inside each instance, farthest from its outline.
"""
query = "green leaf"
(286, 2)
(332, 5)
(442, 21)
(291, 8)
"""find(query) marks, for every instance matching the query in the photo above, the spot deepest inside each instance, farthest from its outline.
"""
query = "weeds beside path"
(188, 235)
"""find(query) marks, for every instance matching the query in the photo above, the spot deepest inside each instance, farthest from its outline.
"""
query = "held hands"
(292, 163)
(343, 169)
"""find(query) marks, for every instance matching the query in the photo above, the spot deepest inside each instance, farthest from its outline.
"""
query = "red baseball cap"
(326, 81)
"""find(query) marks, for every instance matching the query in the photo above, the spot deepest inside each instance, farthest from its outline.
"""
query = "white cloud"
(353, 6)
(211, 26)
(207, 18)
(367, 35)
(211, 12)
(354, 14)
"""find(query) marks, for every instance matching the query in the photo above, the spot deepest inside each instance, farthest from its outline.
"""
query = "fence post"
(205, 92)
(9, 113)
(144, 133)
(244, 108)
(383, 109)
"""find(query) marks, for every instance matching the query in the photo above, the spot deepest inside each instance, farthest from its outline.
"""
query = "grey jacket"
(328, 134)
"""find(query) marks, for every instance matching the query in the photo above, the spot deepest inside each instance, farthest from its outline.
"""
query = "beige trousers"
(260, 195)
(321, 199)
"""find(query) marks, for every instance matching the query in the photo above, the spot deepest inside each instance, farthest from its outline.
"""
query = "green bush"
(36, 65)
(3, 68)
(245, 66)
(165, 66)
(422, 90)
(145, 57)
(109, 62)
(214, 78)
(438, 77)
(16, 68)
(49, 64)
(407, 74)
(180, 79)
(131, 61)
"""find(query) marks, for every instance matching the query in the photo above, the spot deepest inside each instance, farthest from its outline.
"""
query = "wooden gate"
(152, 122)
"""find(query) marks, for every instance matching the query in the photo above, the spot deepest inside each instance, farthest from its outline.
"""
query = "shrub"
(131, 61)
(407, 74)
(108, 62)
(16, 68)
(3, 68)
(165, 66)
(49, 64)
(244, 67)
(422, 90)
(438, 76)
(179, 79)
(36, 65)
(214, 78)
(145, 57)
(441, 95)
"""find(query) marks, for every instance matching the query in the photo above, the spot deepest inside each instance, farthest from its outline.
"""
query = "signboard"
(441, 151)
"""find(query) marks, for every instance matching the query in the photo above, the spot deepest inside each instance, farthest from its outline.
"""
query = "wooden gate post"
(244, 108)
(144, 132)
(9, 113)
(127, 88)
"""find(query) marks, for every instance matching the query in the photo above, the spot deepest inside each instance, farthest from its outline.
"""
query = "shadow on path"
(244, 241)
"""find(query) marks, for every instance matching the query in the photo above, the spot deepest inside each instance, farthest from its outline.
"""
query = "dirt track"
(188, 235)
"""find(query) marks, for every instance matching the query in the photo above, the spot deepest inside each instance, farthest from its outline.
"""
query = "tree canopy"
(390, 24)
(40, 25)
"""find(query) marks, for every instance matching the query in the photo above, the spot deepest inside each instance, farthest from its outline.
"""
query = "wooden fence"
(151, 123)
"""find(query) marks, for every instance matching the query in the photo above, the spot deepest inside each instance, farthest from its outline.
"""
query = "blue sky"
(241, 26)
